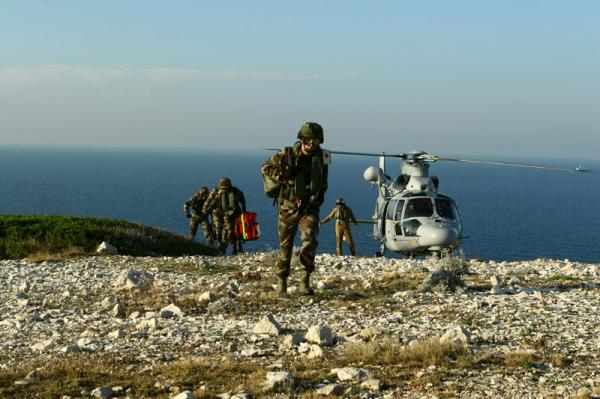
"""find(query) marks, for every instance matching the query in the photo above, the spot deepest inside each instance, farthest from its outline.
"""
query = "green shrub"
(22, 236)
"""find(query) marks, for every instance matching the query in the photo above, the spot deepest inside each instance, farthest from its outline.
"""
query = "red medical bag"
(246, 227)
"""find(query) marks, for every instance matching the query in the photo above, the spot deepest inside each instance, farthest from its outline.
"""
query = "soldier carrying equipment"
(343, 215)
(226, 203)
(195, 203)
(297, 177)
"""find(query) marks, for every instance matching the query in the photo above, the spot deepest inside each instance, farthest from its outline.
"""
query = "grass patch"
(205, 377)
(383, 352)
(51, 237)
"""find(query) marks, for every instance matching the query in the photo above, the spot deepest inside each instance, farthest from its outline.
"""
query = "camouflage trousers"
(289, 221)
(224, 229)
(342, 230)
(206, 228)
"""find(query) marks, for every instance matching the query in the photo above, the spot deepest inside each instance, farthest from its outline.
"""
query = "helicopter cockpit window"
(444, 208)
(418, 207)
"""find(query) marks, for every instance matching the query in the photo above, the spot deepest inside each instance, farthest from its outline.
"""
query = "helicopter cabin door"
(393, 216)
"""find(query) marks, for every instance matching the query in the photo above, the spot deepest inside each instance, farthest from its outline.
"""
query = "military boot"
(282, 288)
(305, 288)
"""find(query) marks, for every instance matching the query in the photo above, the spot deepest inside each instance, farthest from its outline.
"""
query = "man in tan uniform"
(343, 215)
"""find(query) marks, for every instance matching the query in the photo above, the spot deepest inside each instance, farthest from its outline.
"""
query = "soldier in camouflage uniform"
(226, 203)
(195, 203)
(343, 215)
(301, 174)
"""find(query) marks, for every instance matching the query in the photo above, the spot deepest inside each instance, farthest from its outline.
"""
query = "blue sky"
(497, 78)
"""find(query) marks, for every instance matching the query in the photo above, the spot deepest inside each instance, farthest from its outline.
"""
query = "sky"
(482, 78)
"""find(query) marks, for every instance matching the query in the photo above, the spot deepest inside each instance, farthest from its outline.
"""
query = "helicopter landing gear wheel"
(381, 251)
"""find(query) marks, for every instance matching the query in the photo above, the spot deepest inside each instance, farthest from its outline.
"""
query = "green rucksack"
(271, 187)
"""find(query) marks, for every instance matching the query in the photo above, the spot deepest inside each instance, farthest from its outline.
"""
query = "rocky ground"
(378, 328)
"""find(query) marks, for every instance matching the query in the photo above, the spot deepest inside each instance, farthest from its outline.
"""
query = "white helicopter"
(411, 217)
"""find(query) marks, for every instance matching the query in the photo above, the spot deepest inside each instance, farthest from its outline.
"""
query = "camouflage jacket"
(288, 167)
(225, 201)
(195, 203)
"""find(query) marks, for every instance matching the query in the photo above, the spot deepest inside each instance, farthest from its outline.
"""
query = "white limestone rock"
(106, 249)
(278, 380)
(351, 374)
(320, 335)
(185, 395)
(102, 392)
(458, 336)
(24, 287)
(496, 280)
(372, 385)
(33, 376)
(330, 390)
(291, 340)
(496, 290)
(171, 310)
(134, 279)
(268, 326)
(206, 297)
(314, 352)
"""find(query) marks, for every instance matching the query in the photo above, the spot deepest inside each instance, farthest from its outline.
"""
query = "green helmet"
(224, 182)
(203, 190)
(311, 130)
(340, 201)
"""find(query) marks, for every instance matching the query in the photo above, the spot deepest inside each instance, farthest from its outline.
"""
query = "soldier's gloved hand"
(230, 213)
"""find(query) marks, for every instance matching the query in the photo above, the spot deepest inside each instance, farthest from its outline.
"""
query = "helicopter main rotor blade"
(500, 163)
(368, 154)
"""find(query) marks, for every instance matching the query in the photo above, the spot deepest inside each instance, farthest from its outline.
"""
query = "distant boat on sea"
(581, 168)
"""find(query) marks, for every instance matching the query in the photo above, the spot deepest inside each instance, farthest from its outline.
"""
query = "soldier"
(196, 202)
(343, 215)
(301, 174)
(226, 203)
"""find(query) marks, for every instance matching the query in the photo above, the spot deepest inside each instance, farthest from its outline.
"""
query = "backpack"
(272, 188)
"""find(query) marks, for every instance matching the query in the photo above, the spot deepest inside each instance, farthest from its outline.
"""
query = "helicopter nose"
(437, 235)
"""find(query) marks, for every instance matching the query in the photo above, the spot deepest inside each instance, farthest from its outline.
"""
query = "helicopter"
(411, 217)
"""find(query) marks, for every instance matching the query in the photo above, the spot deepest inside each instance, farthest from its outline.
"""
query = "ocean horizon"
(508, 213)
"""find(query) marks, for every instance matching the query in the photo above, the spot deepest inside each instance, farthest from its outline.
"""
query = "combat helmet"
(340, 201)
(203, 190)
(311, 130)
(224, 182)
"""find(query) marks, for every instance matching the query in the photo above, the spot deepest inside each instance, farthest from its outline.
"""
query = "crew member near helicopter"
(226, 203)
(343, 215)
(300, 173)
(197, 217)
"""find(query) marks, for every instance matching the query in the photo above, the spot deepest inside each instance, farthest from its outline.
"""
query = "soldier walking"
(226, 203)
(343, 215)
(198, 217)
(300, 172)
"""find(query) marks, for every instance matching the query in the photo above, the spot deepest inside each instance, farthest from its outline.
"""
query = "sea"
(508, 213)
